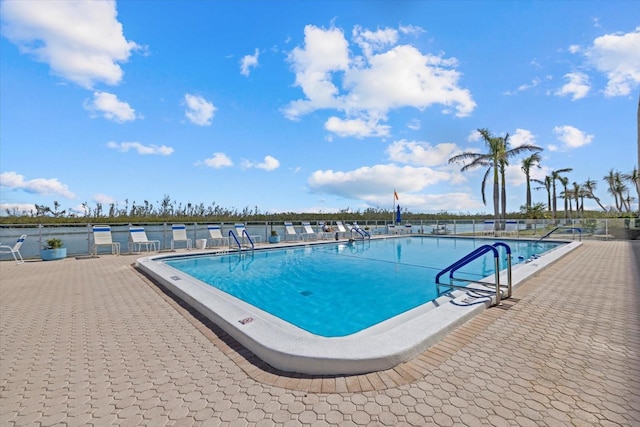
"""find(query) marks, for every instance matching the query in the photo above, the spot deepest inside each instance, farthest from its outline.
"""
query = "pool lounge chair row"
(138, 240)
(489, 228)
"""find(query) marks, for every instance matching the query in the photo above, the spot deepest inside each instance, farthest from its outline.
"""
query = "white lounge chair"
(179, 233)
(391, 229)
(341, 229)
(290, 231)
(488, 228)
(510, 228)
(242, 233)
(215, 234)
(15, 249)
(440, 229)
(102, 237)
(138, 237)
(326, 231)
(307, 232)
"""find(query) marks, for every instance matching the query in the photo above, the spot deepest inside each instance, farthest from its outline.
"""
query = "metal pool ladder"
(477, 253)
(240, 246)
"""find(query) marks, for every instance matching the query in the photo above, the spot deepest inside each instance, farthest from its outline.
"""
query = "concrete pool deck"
(91, 341)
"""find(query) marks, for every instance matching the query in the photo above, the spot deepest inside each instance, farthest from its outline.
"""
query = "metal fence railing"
(78, 237)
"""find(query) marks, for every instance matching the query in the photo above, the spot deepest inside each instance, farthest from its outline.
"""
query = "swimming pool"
(340, 289)
(336, 308)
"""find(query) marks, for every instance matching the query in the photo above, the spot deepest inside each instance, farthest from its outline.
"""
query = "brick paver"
(91, 341)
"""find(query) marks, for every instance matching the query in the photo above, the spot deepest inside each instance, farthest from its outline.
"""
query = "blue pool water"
(339, 289)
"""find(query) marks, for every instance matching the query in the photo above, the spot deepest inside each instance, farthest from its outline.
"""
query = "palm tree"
(577, 194)
(497, 159)
(490, 160)
(555, 175)
(617, 188)
(528, 163)
(535, 211)
(546, 184)
(589, 187)
(634, 179)
(567, 197)
(505, 154)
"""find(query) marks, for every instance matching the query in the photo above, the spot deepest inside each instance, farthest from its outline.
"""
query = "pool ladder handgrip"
(477, 253)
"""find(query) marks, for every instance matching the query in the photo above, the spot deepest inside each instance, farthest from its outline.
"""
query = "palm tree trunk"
(503, 196)
(496, 195)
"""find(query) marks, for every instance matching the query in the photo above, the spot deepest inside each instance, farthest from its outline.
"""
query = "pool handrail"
(362, 232)
(249, 239)
(578, 229)
(232, 234)
(474, 255)
(509, 278)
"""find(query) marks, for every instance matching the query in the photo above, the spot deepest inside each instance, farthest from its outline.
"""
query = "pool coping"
(378, 348)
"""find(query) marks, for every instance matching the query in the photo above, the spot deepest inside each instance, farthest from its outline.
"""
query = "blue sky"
(304, 106)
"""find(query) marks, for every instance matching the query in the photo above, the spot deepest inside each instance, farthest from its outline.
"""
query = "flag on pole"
(395, 195)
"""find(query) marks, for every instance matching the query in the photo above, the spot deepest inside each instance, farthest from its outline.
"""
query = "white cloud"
(199, 110)
(219, 160)
(325, 51)
(474, 136)
(535, 82)
(386, 76)
(358, 128)
(616, 55)
(574, 48)
(379, 181)
(374, 41)
(411, 29)
(82, 41)
(140, 148)
(522, 137)
(269, 163)
(578, 86)
(572, 137)
(374, 185)
(421, 153)
(249, 61)
(14, 181)
(103, 199)
(414, 124)
(110, 107)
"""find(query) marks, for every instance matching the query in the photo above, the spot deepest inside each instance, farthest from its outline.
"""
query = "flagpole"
(393, 210)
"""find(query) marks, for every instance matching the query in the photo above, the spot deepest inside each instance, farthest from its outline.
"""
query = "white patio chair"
(15, 249)
(138, 237)
(510, 228)
(179, 234)
(290, 231)
(307, 232)
(215, 234)
(102, 237)
(241, 232)
(488, 228)
(341, 229)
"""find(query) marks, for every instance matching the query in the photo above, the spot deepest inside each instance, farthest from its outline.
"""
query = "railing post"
(164, 234)
(497, 262)
(89, 238)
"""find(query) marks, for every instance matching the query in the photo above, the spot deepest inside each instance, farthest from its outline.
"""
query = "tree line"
(498, 156)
